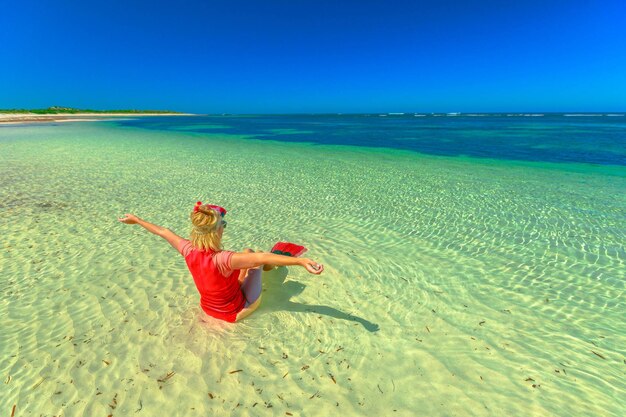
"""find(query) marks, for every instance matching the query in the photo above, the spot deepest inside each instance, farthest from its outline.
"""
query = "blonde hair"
(206, 224)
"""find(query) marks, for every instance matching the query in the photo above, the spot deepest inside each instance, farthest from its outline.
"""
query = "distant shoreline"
(20, 118)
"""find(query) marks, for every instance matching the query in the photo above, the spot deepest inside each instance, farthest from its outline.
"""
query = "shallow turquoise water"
(453, 285)
(554, 137)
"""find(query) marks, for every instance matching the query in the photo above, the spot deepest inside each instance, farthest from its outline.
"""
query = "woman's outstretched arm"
(256, 259)
(166, 234)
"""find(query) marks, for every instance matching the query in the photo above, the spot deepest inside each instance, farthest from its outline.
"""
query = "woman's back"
(217, 283)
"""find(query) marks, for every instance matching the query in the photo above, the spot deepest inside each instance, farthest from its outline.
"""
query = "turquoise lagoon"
(474, 266)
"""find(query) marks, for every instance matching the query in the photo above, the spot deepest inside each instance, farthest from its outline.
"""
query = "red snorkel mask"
(220, 210)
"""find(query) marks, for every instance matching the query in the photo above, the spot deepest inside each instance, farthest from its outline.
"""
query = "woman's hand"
(129, 219)
(312, 266)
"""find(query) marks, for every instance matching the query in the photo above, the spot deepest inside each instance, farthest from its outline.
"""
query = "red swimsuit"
(220, 293)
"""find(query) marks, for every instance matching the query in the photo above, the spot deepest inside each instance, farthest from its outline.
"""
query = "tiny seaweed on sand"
(598, 355)
(113, 404)
(166, 377)
(39, 383)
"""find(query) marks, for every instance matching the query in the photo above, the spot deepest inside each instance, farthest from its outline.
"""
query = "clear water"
(594, 138)
(477, 268)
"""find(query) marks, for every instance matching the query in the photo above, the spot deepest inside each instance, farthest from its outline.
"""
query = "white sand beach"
(16, 118)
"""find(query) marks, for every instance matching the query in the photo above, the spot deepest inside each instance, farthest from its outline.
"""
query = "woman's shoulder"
(184, 247)
(222, 261)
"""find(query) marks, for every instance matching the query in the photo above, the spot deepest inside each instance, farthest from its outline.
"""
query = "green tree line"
(70, 110)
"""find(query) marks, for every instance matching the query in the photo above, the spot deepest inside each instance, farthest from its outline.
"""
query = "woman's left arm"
(165, 233)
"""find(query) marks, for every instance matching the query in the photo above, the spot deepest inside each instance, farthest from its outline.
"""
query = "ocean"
(474, 265)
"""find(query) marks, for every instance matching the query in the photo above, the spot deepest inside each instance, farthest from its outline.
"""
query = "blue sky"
(315, 56)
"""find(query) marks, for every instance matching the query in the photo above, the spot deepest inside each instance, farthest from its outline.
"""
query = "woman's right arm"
(256, 259)
(165, 233)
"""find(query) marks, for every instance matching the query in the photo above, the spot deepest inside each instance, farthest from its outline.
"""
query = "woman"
(229, 283)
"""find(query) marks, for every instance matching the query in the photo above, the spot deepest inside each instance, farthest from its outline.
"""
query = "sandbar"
(18, 118)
